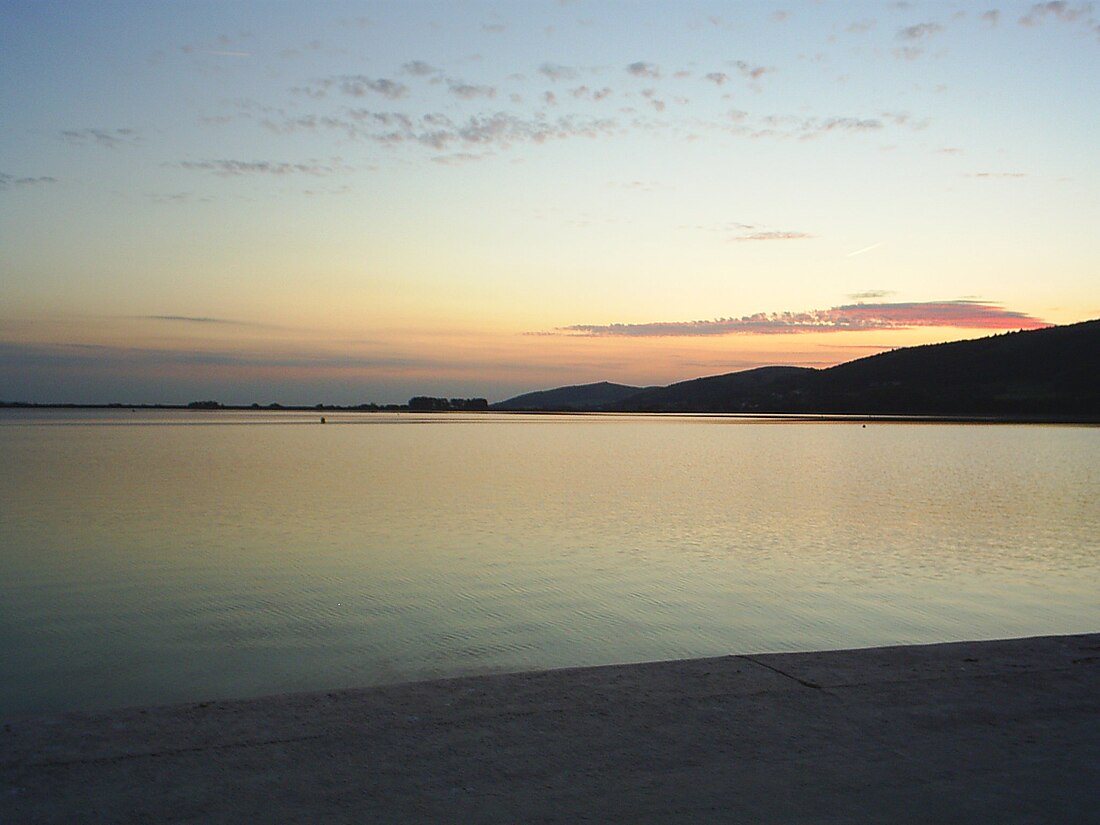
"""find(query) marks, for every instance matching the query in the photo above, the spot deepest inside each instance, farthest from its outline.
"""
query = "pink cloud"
(851, 317)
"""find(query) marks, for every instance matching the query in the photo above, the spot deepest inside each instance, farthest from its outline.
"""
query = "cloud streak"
(236, 168)
(1058, 9)
(773, 236)
(12, 182)
(850, 317)
(360, 86)
(187, 319)
(442, 133)
(106, 138)
(920, 31)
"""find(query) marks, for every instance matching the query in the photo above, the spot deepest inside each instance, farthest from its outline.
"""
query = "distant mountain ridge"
(580, 397)
(1046, 373)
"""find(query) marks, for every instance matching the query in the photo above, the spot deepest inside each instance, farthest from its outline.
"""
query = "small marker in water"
(322, 419)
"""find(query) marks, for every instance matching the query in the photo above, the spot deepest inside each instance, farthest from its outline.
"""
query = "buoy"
(322, 419)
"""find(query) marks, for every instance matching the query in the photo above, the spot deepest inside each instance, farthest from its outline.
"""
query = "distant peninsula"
(419, 403)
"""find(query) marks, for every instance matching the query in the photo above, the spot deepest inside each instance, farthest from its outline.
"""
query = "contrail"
(865, 249)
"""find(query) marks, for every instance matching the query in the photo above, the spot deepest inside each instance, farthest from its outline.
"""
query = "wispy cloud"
(106, 138)
(11, 181)
(920, 31)
(189, 319)
(644, 70)
(854, 253)
(555, 71)
(101, 356)
(440, 132)
(233, 168)
(419, 68)
(748, 70)
(177, 197)
(871, 293)
(773, 236)
(809, 128)
(851, 317)
(469, 91)
(916, 39)
(360, 86)
(1057, 9)
(527, 117)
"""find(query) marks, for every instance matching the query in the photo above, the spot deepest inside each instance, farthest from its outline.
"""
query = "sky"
(343, 203)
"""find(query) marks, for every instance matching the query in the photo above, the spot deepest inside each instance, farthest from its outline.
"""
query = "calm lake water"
(152, 557)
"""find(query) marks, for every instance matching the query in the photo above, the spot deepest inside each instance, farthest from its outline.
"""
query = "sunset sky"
(352, 202)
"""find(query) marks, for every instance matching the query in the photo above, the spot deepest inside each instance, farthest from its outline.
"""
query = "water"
(161, 556)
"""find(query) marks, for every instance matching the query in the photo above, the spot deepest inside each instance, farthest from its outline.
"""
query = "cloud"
(556, 71)
(871, 293)
(908, 52)
(107, 138)
(1058, 9)
(717, 78)
(11, 181)
(861, 251)
(418, 68)
(643, 69)
(992, 17)
(748, 70)
(439, 132)
(773, 236)
(789, 126)
(233, 168)
(186, 319)
(361, 86)
(101, 356)
(998, 175)
(920, 31)
(456, 158)
(468, 91)
(177, 197)
(651, 96)
(494, 28)
(916, 36)
(851, 317)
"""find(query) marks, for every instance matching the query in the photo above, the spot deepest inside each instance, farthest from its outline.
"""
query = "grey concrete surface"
(999, 732)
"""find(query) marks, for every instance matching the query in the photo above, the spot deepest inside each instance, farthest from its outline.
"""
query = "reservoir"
(158, 556)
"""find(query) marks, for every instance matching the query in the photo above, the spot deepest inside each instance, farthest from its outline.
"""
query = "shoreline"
(1005, 731)
(1071, 419)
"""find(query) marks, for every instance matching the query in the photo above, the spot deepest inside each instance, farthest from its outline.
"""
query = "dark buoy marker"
(322, 419)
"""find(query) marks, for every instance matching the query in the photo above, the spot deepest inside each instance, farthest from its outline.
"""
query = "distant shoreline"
(855, 417)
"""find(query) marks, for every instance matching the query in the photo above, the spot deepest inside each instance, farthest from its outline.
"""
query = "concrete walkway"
(997, 732)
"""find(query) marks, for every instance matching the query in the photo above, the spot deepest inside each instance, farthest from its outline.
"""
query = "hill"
(1051, 372)
(576, 398)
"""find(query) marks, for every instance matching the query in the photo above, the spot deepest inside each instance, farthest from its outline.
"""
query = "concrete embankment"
(998, 732)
